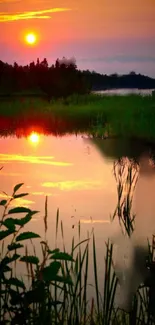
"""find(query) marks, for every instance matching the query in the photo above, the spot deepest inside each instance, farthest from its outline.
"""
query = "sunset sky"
(107, 36)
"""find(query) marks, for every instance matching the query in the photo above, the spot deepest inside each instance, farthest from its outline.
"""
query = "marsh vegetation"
(130, 116)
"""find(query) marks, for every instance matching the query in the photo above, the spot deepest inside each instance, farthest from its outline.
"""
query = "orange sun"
(31, 38)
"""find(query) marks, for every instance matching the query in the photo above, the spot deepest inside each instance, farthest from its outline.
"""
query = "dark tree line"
(62, 79)
(132, 80)
(59, 80)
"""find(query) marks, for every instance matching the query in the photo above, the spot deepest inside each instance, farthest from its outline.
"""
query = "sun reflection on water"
(34, 138)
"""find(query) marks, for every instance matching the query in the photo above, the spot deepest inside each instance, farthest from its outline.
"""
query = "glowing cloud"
(39, 14)
(22, 202)
(17, 202)
(73, 185)
(5, 158)
(42, 194)
(87, 221)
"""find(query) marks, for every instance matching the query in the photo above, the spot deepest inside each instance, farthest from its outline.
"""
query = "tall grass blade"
(96, 275)
(46, 214)
(56, 229)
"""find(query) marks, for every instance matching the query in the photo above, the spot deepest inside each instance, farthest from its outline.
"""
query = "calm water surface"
(77, 176)
(73, 174)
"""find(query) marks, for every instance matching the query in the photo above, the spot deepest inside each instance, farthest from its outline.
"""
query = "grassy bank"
(130, 116)
(56, 293)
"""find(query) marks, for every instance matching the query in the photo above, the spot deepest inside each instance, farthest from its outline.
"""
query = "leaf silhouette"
(30, 259)
(3, 202)
(27, 235)
(14, 246)
(17, 187)
(17, 196)
(62, 256)
(5, 233)
(15, 282)
(19, 210)
(10, 224)
(49, 273)
(6, 260)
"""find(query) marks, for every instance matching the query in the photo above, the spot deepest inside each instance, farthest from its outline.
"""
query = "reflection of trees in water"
(138, 277)
(46, 125)
(118, 148)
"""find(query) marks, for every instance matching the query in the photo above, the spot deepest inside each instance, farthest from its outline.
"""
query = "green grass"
(56, 290)
(123, 116)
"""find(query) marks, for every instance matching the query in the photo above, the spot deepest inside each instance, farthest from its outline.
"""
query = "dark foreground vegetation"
(62, 79)
(55, 288)
(131, 116)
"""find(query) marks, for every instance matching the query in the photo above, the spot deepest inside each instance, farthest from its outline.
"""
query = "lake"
(70, 171)
(125, 91)
(76, 173)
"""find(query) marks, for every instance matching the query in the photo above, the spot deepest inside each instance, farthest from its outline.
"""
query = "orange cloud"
(38, 14)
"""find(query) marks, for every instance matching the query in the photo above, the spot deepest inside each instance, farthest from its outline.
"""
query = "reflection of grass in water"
(126, 176)
(57, 290)
(131, 115)
(138, 288)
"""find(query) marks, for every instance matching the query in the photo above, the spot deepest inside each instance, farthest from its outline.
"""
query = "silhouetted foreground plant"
(55, 290)
(18, 304)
